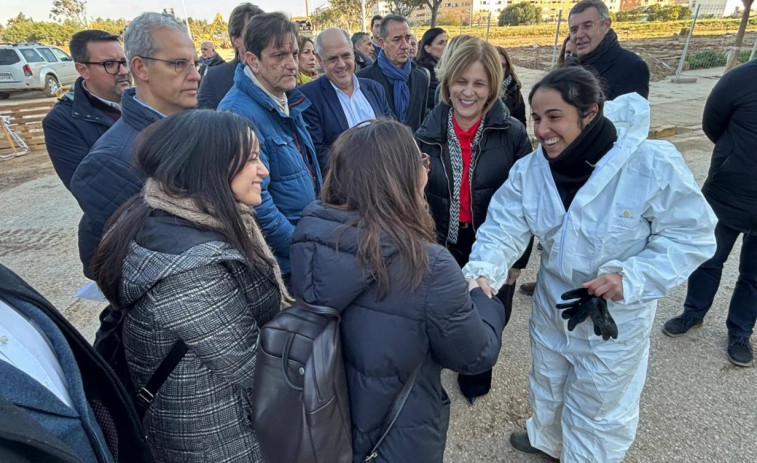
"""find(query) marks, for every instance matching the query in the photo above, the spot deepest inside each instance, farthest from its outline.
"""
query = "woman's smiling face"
(556, 123)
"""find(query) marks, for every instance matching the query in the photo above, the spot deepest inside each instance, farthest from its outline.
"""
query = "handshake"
(585, 306)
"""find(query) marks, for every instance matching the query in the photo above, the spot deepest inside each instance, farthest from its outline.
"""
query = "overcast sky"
(199, 9)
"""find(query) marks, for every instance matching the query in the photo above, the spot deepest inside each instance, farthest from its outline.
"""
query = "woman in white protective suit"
(620, 217)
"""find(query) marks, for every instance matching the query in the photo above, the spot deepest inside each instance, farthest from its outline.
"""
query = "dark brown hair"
(192, 154)
(268, 29)
(375, 169)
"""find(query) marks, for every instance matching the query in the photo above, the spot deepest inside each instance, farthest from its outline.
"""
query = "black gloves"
(586, 306)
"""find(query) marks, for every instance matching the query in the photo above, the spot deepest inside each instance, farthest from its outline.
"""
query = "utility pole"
(362, 15)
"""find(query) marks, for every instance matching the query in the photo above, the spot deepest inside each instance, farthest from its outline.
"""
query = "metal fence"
(671, 50)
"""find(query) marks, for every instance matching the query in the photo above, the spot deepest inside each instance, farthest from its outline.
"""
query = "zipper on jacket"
(449, 190)
(475, 164)
(564, 227)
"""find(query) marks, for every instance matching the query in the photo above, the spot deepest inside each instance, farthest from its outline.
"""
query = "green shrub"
(713, 59)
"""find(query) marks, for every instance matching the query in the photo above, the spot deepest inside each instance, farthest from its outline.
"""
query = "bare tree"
(74, 10)
(433, 5)
(733, 59)
(405, 7)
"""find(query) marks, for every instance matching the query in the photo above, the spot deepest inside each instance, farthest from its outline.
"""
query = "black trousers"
(480, 384)
(704, 282)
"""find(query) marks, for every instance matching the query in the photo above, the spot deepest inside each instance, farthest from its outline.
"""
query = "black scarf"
(573, 167)
(598, 55)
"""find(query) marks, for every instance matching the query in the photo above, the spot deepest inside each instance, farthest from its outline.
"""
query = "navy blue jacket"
(35, 426)
(288, 153)
(106, 178)
(71, 129)
(325, 118)
(730, 121)
(437, 325)
(215, 84)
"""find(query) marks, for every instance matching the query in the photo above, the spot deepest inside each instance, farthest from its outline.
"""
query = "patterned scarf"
(157, 198)
(456, 160)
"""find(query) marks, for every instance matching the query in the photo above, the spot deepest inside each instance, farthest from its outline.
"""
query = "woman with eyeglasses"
(368, 249)
(187, 262)
(473, 142)
(622, 222)
(307, 71)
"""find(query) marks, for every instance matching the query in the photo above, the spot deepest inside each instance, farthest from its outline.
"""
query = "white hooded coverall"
(640, 214)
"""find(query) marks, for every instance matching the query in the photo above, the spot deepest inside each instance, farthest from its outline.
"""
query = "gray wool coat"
(180, 282)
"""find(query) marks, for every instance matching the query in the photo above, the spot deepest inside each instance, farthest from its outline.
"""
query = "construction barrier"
(26, 122)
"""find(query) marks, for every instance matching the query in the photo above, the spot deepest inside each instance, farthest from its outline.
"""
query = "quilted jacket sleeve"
(206, 309)
(101, 184)
(464, 329)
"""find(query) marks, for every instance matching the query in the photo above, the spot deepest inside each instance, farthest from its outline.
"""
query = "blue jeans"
(704, 282)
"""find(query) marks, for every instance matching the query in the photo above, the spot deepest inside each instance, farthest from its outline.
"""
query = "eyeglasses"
(588, 26)
(111, 67)
(181, 66)
(426, 162)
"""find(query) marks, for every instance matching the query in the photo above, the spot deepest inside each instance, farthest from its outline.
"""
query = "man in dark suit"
(405, 85)
(339, 100)
(218, 80)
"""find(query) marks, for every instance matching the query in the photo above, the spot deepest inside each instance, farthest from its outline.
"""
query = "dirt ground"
(661, 55)
(18, 170)
(696, 406)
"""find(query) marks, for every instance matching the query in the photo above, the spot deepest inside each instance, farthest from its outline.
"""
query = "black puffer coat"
(730, 121)
(503, 142)
(437, 324)
(512, 97)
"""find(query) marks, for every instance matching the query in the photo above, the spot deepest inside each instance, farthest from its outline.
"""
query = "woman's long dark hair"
(193, 154)
(375, 169)
(425, 58)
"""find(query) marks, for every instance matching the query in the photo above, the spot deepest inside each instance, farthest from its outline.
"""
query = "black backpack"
(301, 408)
(109, 344)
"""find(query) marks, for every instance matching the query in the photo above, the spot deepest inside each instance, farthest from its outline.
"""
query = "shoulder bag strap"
(394, 411)
(147, 393)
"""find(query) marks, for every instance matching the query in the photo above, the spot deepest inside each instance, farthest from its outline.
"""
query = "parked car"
(33, 66)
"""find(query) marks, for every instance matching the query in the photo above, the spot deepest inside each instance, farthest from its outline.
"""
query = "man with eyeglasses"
(264, 92)
(92, 105)
(163, 61)
(621, 71)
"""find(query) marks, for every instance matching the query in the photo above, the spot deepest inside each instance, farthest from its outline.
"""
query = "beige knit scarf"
(157, 198)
